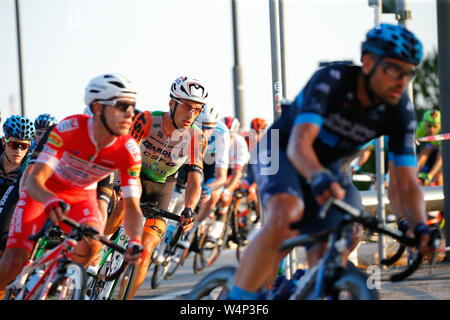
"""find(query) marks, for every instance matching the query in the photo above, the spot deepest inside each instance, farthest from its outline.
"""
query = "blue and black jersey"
(329, 100)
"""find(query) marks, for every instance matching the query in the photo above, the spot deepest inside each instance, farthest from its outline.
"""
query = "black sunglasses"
(395, 71)
(120, 104)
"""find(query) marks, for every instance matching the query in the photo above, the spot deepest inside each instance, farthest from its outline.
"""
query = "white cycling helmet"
(189, 89)
(107, 87)
(208, 115)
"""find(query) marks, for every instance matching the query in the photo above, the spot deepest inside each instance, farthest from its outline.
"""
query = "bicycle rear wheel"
(215, 286)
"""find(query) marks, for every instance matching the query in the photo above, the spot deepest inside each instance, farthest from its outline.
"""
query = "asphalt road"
(424, 284)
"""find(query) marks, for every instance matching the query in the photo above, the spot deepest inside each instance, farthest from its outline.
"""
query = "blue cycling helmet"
(44, 121)
(393, 41)
(18, 127)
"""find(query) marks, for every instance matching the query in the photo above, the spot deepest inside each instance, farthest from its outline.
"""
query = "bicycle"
(327, 279)
(102, 285)
(54, 275)
(241, 221)
(149, 211)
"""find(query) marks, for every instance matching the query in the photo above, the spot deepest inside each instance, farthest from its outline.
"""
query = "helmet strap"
(366, 79)
(172, 114)
(103, 120)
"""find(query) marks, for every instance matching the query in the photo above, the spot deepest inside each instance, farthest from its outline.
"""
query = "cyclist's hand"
(187, 219)
(430, 241)
(325, 185)
(56, 209)
(226, 196)
(206, 194)
(134, 253)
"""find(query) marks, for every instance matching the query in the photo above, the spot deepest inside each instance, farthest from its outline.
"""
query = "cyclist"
(216, 160)
(429, 159)
(238, 156)
(18, 133)
(340, 108)
(41, 124)
(63, 181)
(258, 128)
(167, 141)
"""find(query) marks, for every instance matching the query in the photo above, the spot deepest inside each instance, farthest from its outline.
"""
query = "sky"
(65, 43)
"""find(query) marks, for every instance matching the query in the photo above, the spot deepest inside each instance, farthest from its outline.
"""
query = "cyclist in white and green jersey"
(167, 141)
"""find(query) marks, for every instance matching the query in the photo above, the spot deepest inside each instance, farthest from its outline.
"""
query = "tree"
(426, 84)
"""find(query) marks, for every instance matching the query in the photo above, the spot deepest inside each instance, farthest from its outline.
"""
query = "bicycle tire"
(199, 260)
(207, 256)
(350, 285)
(122, 289)
(171, 271)
(215, 286)
(72, 286)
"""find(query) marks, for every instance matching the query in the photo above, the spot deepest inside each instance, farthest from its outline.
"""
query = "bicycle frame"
(53, 259)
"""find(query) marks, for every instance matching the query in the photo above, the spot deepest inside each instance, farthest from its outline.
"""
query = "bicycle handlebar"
(372, 223)
(149, 210)
(81, 228)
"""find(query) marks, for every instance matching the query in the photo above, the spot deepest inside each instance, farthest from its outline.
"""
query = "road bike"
(149, 211)
(328, 279)
(54, 275)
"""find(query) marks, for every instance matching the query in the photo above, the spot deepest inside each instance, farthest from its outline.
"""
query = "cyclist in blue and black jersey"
(340, 109)
(41, 124)
(18, 132)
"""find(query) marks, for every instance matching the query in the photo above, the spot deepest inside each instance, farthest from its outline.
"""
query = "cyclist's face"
(186, 112)
(38, 135)
(119, 115)
(432, 129)
(15, 149)
(391, 78)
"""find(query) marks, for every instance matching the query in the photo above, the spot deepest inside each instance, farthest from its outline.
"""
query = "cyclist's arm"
(236, 176)
(220, 180)
(422, 157)
(193, 189)
(35, 184)
(301, 153)
(436, 166)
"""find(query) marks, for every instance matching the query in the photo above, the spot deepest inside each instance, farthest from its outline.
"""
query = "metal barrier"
(433, 196)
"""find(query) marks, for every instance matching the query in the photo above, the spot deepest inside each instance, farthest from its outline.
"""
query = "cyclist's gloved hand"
(422, 233)
(206, 193)
(187, 219)
(402, 225)
(56, 209)
(324, 184)
(135, 252)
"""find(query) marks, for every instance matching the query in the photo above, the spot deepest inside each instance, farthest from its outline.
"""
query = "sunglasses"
(432, 125)
(17, 145)
(208, 126)
(188, 107)
(120, 104)
(397, 72)
(39, 133)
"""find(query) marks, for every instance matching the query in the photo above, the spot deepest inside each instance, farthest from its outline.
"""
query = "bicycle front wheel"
(353, 285)
(215, 286)
(122, 290)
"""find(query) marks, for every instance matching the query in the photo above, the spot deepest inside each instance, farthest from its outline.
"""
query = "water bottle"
(34, 278)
